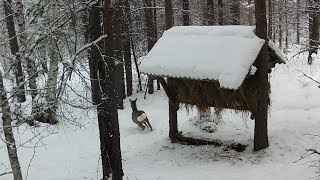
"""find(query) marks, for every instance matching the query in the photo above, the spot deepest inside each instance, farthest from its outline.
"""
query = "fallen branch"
(304, 74)
(179, 138)
(308, 153)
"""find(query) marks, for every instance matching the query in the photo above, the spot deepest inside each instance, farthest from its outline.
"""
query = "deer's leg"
(148, 124)
(141, 126)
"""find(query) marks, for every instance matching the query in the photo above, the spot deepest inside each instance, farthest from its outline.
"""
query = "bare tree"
(151, 34)
(54, 58)
(220, 5)
(185, 12)
(210, 13)
(8, 134)
(14, 47)
(168, 14)
(235, 11)
(127, 47)
(270, 19)
(313, 28)
(31, 67)
(298, 5)
(118, 32)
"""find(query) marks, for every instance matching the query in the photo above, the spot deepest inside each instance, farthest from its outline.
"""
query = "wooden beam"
(215, 142)
(165, 86)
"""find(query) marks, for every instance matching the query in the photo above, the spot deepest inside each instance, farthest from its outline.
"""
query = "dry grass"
(205, 94)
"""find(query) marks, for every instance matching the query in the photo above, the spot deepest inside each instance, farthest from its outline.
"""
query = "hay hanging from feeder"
(206, 94)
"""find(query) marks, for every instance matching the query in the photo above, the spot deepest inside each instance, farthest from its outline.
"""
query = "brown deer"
(139, 117)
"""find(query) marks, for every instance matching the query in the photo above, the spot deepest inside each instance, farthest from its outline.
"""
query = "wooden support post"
(173, 108)
(261, 117)
(173, 121)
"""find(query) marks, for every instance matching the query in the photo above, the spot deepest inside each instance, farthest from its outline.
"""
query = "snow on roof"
(222, 53)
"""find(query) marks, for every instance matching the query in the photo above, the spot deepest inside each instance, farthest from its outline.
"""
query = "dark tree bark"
(298, 21)
(210, 13)
(168, 14)
(220, 5)
(313, 29)
(127, 48)
(117, 23)
(270, 19)
(261, 118)
(14, 49)
(102, 74)
(235, 11)
(94, 31)
(107, 72)
(151, 35)
(185, 12)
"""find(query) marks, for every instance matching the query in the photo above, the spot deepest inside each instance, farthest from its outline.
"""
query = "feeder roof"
(221, 53)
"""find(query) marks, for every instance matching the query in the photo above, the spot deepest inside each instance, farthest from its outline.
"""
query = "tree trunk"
(127, 48)
(14, 49)
(94, 31)
(8, 134)
(136, 64)
(235, 11)
(274, 22)
(31, 67)
(108, 109)
(119, 66)
(314, 29)
(185, 12)
(298, 21)
(151, 35)
(286, 25)
(54, 58)
(250, 13)
(261, 118)
(220, 5)
(168, 14)
(270, 19)
(102, 73)
(210, 13)
(280, 35)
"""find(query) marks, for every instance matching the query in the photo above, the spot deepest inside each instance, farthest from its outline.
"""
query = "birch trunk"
(54, 61)
(8, 134)
(31, 67)
(14, 49)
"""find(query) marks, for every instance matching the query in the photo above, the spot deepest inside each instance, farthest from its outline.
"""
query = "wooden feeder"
(209, 66)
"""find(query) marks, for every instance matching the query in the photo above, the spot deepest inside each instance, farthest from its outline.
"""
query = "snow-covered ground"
(69, 152)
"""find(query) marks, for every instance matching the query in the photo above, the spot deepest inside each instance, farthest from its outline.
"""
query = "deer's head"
(133, 104)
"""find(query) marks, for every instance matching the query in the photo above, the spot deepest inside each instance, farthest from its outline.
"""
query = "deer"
(139, 117)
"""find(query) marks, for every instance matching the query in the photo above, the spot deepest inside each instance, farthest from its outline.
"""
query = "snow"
(278, 52)
(222, 53)
(68, 152)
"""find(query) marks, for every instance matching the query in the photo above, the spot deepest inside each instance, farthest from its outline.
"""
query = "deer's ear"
(130, 100)
(135, 99)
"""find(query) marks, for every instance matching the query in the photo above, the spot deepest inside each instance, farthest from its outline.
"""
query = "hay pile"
(205, 94)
